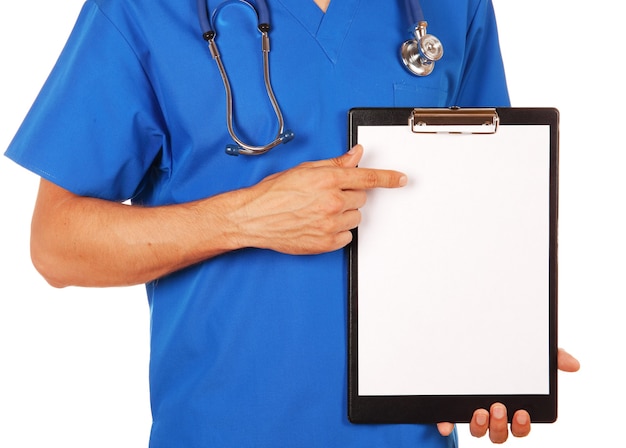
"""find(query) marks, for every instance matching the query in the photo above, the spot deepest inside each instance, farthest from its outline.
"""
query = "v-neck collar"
(329, 28)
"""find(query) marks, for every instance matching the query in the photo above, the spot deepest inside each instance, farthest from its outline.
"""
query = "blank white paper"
(453, 269)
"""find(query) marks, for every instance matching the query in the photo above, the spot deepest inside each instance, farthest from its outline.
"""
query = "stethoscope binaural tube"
(209, 33)
(420, 53)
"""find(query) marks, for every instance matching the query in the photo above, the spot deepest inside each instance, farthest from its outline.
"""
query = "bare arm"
(91, 242)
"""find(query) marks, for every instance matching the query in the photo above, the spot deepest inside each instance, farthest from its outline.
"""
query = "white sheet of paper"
(453, 269)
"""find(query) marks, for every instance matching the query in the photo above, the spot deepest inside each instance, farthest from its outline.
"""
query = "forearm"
(309, 209)
(91, 242)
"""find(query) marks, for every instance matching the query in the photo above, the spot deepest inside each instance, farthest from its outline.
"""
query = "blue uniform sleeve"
(483, 80)
(96, 126)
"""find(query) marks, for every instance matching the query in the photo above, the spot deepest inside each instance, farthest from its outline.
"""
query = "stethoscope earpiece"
(420, 54)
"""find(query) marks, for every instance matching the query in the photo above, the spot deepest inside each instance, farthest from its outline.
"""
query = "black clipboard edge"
(422, 409)
(426, 409)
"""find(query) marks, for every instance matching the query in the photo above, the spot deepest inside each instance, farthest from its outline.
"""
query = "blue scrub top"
(247, 349)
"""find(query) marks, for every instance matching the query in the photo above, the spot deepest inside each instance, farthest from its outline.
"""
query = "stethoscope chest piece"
(420, 54)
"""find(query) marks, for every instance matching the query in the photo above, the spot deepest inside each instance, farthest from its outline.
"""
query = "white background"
(73, 362)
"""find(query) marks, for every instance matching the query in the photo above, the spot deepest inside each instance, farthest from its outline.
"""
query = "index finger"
(360, 178)
(368, 178)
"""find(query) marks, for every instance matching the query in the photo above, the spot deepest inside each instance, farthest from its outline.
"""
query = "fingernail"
(353, 149)
(403, 181)
(481, 419)
(521, 418)
(498, 412)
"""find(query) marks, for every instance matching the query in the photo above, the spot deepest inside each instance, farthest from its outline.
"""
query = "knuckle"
(334, 204)
(326, 226)
(307, 164)
(336, 161)
(358, 217)
(360, 199)
(324, 179)
(498, 438)
(341, 239)
(353, 220)
(519, 433)
(371, 179)
(325, 244)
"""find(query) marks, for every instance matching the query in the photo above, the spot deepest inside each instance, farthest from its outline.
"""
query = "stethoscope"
(418, 54)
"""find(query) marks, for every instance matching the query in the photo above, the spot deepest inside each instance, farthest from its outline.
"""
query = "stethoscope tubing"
(418, 55)
(209, 34)
(203, 16)
(414, 12)
(206, 18)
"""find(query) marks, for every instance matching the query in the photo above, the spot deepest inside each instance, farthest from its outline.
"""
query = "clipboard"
(453, 278)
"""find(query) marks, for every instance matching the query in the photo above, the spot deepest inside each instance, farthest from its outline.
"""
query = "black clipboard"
(453, 279)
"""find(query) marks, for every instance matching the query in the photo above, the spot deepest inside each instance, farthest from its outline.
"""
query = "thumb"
(349, 159)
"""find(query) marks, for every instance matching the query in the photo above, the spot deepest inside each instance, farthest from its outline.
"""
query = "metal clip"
(454, 121)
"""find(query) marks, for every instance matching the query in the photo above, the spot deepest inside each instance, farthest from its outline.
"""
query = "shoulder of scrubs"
(483, 81)
(96, 126)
